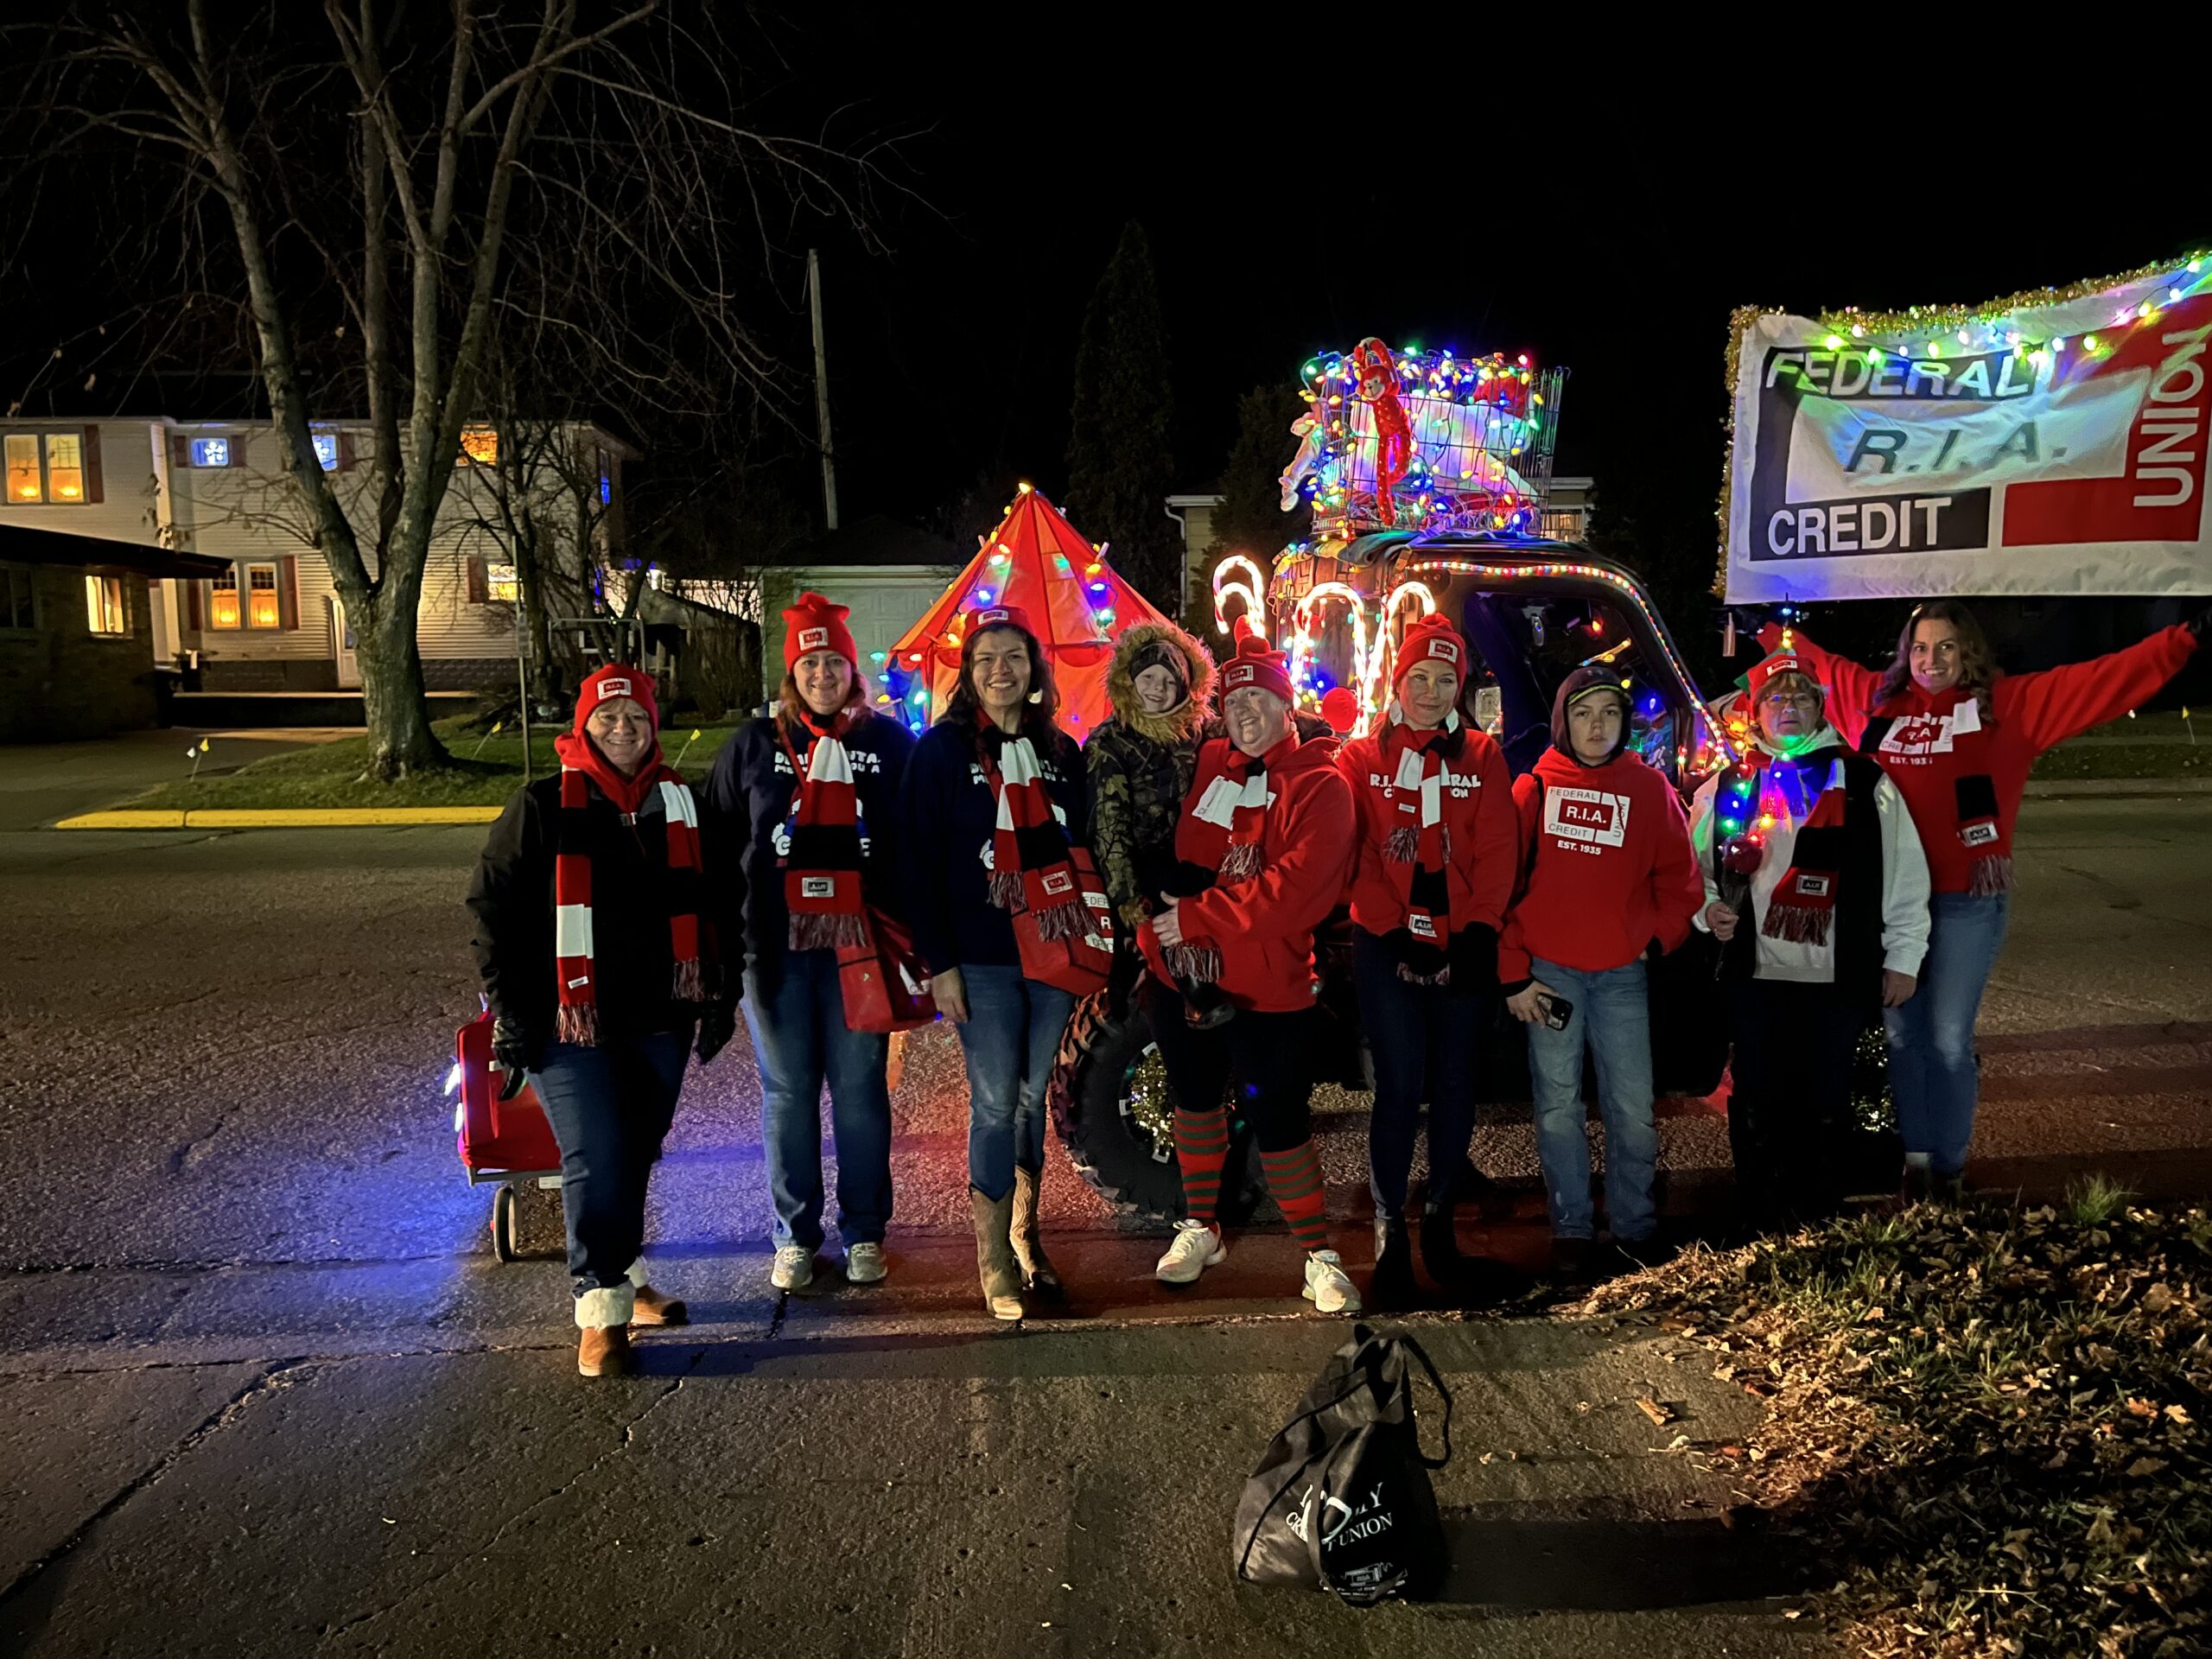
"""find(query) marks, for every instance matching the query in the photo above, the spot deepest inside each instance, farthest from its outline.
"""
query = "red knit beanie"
(815, 624)
(616, 680)
(1255, 665)
(1431, 639)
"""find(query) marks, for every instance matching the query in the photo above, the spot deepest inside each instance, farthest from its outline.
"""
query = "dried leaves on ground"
(1988, 1425)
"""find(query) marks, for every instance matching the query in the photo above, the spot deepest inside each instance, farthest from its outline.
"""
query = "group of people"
(1857, 859)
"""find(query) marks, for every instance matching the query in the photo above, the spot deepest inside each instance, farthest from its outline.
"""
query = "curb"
(335, 817)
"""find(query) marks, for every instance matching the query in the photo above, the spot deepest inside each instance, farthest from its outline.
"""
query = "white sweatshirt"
(1904, 876)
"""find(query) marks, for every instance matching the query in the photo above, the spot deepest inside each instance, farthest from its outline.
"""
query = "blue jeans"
(1613, 1019)
(799, 1040)
(1935, 1073)
(1012, 1034)
(1423, 1039)
(610, 1106)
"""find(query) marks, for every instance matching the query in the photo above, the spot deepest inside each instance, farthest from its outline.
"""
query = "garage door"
(884, 606)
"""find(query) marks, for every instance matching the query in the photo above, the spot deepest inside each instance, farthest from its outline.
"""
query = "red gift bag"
(884, 984)
(1081, 962)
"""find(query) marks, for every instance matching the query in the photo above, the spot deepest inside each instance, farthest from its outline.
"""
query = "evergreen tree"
(1120, 464)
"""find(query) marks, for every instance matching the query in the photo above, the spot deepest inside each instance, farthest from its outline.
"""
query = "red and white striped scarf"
(1031, 867)
(821, 871)
(577, 985)
(1417, 855)
(1221, 833)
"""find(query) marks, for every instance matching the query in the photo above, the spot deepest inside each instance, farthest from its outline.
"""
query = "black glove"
(1474, 958)
(717, 1025)
(512, 1052)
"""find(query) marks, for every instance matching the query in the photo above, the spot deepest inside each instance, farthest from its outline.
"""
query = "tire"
(1105, 1068)
(502, 1224)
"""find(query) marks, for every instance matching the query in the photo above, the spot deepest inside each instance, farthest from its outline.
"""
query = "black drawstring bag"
(1341, 1501)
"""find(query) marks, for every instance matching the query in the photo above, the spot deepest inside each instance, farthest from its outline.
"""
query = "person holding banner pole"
(1958, 736)
(801, 816)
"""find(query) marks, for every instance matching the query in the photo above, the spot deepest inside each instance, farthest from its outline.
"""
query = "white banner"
(2056, 449)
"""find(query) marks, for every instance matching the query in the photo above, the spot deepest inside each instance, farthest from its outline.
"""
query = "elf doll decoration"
(1377, 373)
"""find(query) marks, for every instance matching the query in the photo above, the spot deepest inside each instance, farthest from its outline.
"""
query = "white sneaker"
(794, 1269)
(864, 1263)
(1327, 1285)
(1196, 1247)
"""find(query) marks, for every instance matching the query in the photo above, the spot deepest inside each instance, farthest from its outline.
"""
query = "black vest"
(1857, 932)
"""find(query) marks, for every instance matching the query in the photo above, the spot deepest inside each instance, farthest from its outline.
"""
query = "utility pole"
(822, 391)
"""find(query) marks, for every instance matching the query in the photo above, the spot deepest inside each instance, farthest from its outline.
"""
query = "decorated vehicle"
(1428, 474)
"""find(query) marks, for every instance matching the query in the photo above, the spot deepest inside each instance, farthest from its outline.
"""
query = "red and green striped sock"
(1294, 1179)
(1201, 1148)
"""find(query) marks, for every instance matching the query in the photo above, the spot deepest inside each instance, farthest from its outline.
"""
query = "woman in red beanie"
(801, 815)
(1958, 736)
(1266, 843)
(596, 962)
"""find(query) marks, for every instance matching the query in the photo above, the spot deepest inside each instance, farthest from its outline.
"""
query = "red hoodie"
(1480, 825)
(1612, 869)
(1934, 740)
(1264, 925)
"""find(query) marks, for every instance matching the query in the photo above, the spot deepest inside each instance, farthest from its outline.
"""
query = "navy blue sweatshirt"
(748, 803)
(949, 817)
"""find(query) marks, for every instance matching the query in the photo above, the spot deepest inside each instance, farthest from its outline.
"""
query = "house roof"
(24, 544)
(878, 539)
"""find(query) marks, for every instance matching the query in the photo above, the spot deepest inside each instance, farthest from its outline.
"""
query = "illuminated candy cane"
(1251, 587)
(1302, 648)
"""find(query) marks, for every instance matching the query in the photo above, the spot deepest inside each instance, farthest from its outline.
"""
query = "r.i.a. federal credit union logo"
(1592, 817)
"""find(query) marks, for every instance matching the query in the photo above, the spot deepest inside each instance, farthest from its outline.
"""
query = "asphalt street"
(270, 1393)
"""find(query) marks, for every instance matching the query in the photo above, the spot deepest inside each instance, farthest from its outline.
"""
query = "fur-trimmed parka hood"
(1180, 724)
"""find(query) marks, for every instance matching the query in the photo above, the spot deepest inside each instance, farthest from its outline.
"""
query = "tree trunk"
(392, 704)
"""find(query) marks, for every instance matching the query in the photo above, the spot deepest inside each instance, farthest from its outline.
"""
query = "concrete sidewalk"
(774, 1484)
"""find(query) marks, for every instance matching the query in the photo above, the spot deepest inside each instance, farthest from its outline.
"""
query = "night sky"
(1610, 227)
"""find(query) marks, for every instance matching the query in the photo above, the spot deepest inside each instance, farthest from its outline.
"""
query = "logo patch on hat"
(982, 618)
(814, 639)
(1239, 673)
(1444, 651)
(613, 689)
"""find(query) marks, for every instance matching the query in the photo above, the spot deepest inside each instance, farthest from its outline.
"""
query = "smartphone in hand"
(1557, 1010)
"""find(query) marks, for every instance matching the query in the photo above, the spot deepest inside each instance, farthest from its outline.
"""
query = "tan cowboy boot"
(994, 1263)
(1037, 1273)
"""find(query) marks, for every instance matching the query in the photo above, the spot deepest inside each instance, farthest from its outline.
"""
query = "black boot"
(1392, 1285)
(1439, 1246)
(1919, 1184)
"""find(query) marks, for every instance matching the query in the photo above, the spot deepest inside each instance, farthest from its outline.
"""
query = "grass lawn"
(2149, 745)
(1988, 1425)
(329, 774)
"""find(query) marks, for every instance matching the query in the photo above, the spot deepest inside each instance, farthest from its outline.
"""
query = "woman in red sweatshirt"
(1265, 847)
(1440, 847)
(1611, 876)
(1958, 736)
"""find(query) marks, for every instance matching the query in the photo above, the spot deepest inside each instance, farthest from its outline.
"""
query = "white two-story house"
(269, 619)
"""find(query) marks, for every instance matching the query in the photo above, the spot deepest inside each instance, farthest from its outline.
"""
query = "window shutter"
(345, 452)
(480, 582)
(193, 607)
(288, 592)
(180, 449)
(90, 453)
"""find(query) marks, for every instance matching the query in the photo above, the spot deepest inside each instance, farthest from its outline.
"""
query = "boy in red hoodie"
(1612, 875)
(1265, 841)
(1957, 736)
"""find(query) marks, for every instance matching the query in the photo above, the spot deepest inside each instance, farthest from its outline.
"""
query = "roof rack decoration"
(1423, 441)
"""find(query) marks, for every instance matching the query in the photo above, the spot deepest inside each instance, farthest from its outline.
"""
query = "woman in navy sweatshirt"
(994, 798)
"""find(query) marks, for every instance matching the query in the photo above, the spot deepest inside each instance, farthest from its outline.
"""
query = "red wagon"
(506, 1141)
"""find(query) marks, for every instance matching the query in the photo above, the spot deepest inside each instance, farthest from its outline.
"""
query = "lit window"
(606, 490)
(261, 596)
(23, 468)
(64, 466)
(211, 452)
(104, 610)
(480, 445)
(223, 600)
(326, 450)
(500, 583)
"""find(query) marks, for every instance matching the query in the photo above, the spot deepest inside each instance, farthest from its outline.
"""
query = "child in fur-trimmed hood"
(1143, 761)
